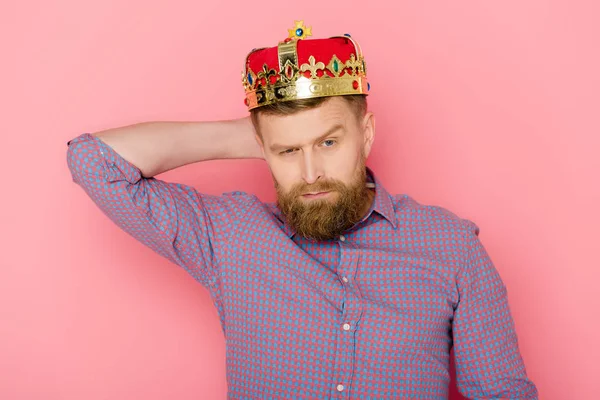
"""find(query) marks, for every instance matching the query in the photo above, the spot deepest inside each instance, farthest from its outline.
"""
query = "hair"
(358, 103)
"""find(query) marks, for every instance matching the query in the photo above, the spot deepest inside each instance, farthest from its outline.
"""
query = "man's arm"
(115, 169)
(487, 358)
(156, 147)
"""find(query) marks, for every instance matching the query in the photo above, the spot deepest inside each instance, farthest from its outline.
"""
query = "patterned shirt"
(372, 314)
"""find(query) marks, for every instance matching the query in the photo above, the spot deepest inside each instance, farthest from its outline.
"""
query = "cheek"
(283, 174)
(343, 165)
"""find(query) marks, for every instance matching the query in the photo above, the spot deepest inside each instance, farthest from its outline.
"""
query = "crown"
(300, 68)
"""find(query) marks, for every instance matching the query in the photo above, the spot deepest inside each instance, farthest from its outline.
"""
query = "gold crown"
(286, 80)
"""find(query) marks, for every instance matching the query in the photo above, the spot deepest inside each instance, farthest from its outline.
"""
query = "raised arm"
(156, 147)
(115, 169)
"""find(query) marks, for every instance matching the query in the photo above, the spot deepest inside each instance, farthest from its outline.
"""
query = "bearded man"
(338, 289)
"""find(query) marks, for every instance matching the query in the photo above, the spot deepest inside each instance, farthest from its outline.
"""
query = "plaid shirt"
(370, 315)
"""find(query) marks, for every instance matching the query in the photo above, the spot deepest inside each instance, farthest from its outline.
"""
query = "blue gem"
(299, 32)
(250, 79)
(368, 86)
(347, 34)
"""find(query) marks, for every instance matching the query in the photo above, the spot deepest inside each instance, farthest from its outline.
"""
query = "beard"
(324, 219)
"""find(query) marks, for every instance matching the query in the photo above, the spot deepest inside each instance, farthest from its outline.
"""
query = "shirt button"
(346, 327)
(345, 279)
(340, 387)
(342, 238)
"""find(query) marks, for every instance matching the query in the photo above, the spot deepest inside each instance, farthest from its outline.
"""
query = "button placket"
(344, 359)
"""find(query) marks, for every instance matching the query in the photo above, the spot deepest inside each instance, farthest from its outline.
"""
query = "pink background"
(488, 108)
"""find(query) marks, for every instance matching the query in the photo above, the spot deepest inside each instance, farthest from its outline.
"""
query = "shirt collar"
(382, 204)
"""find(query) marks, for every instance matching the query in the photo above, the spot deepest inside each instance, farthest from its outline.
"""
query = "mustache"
(322, 186)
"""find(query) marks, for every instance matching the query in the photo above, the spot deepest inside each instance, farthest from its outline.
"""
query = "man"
(339, 289)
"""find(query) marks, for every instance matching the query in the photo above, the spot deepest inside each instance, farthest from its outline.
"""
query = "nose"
(311, 168)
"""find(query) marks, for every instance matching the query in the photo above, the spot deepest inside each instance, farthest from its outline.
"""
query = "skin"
(310, 148)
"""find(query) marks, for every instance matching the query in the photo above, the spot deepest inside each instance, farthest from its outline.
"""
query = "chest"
(385, 281)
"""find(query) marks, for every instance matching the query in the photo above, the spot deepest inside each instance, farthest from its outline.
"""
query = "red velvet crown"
(299, 68)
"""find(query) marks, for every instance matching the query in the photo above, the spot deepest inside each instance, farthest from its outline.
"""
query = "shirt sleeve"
(186, 227)
(487, 358)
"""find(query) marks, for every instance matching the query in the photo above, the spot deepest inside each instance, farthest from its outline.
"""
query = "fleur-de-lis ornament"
(266, 73)
(312, 66)
(353, 64)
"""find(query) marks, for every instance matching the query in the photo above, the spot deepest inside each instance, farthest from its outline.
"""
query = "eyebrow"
(275, 146)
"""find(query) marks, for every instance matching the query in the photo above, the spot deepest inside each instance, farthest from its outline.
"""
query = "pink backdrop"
(488, 108)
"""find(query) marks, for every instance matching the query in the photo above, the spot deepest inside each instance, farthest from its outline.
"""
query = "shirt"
(372, 314)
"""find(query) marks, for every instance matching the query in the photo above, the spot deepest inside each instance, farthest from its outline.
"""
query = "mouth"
(315, 195)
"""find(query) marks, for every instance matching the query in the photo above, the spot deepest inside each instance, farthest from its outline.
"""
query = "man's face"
(317, 159)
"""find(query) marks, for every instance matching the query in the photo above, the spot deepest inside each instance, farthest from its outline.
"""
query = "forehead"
(309, 123)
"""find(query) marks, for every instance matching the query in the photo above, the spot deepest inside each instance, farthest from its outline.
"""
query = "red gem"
(246, 101)
(355, 85)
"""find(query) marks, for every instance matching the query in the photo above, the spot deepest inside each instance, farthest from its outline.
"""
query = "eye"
(287, 151)
(329, 142)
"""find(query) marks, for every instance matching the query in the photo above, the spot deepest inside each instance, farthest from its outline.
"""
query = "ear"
(368, 128)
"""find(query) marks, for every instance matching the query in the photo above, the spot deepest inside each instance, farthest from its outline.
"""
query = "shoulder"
(237, 204)
(242, 201)
(432, 218)
(238, 196)
(247, 206)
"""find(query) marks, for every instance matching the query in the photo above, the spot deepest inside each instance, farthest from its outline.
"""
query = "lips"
(314, 194)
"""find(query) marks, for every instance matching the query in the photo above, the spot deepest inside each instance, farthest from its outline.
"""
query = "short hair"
(358, 103)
